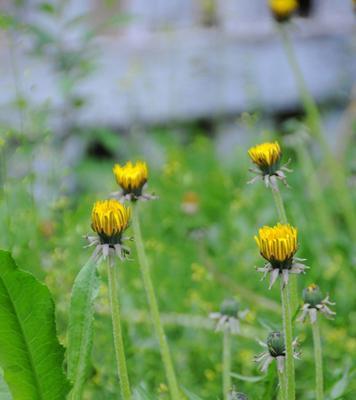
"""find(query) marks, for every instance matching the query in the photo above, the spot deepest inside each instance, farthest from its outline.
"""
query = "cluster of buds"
(278, 246)
(110, 218)
(314, 303)
(275, 350)
(229, 316)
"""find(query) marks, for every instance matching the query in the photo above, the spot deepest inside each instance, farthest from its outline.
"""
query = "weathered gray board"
(156, 75)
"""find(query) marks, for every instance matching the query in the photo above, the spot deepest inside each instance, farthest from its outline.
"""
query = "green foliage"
(30, 354)
(80, 327)
(4, 390)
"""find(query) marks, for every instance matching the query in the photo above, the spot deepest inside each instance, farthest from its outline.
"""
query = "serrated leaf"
(30, 354)
(80, 330)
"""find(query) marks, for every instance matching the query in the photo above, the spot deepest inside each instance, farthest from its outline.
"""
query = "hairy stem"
(282, 216)
(117, 331)
(282, 385)
(288, 337)
(152, 302)
(318, 359)
(226, 364)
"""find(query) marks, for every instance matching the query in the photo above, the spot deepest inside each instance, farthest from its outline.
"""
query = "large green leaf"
(30, 355)
(4, 389)
(80, 331)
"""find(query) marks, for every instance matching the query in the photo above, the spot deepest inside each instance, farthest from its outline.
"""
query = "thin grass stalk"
(320, 206)
(288, 337)
(117, 331)
(318, 360)
(282, 216)
(314, 122)
(226, 364)
(152, 302)
(282, 385)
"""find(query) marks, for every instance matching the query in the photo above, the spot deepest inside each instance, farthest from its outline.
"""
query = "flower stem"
(152, 302)
(318, 359)
(282, 216)
(335, 169)
(282, 385)
(288, 337)
(117, 331)
(226, 364)
(316, 193)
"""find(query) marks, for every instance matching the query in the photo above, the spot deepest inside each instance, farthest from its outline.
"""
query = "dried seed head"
(275, 344)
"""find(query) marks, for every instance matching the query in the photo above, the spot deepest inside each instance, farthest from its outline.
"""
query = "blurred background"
(188, 86)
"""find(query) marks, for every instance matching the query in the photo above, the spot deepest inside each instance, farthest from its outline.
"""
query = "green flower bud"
(312, 295)
(230, 308)
(237, 396)
(275, 343)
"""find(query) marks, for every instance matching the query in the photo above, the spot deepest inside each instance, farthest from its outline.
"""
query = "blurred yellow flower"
(265, 155)
(278, 243)
(283, 9)
(109, 219)
(131, 177)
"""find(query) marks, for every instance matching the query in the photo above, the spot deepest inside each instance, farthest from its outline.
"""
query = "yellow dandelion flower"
(283, 9)
(131, 177)
(109, 219)
(266, 155)
(278, 246)
(278, 243)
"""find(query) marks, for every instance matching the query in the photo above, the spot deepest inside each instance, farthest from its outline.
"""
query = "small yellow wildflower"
(131, 177)
(109, 219)
(278, 246)
(283, 9)
(278, 243)
(267, 157)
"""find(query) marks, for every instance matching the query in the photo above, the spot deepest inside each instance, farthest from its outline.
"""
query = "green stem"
(334, 168)
(318, 359)
(288, 337)
(117, 331)
(282, 385)
(317, 197)
(226, 364)
(152, 302)
(282, 216)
